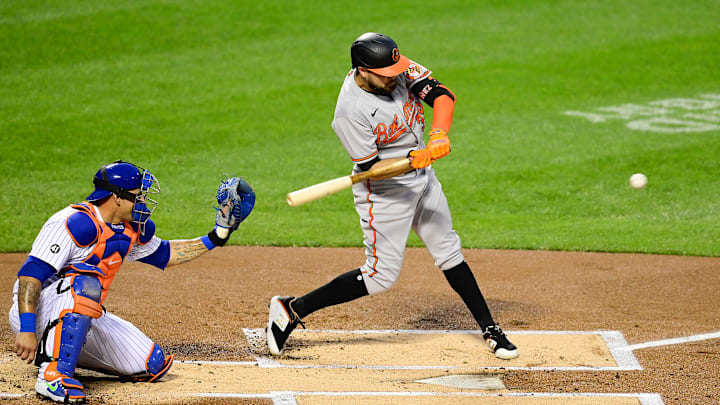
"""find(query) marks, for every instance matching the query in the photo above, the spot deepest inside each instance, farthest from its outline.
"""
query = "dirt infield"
(198, 311)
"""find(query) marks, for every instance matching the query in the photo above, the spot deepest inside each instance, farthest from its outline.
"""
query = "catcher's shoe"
(498, 343)
(281, 323)
(63, 389)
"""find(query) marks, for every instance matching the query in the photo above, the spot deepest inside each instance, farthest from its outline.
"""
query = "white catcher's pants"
(113, 345)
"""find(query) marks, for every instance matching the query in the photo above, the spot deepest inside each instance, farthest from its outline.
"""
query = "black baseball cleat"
(498, 343)
(281, 322)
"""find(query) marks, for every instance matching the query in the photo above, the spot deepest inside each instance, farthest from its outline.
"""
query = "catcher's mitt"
(236, 200)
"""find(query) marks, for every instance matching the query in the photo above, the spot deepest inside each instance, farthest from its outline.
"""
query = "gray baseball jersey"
(371, 125)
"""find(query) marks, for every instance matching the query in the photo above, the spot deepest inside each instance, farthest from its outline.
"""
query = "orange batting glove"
(421, 158)
(439, 143)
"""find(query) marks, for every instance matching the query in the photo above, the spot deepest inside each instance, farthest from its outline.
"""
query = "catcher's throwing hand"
(439, 143)
(236, 200)
(25, 346)
(420, 158)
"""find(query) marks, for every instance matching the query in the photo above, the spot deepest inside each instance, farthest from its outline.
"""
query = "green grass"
(193, 90)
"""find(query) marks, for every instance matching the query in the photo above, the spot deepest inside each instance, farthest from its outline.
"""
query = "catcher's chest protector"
(111, 248)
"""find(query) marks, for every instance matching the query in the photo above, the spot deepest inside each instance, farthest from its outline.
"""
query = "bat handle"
(393, 169)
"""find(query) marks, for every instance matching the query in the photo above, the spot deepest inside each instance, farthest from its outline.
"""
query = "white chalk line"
(219, 363)
(645, 398)
(616, 343)
(674, 341)
(288, 397)
(615, 340)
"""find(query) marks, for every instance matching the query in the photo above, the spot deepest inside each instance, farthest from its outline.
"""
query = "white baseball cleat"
(499, 344)
(281, 322)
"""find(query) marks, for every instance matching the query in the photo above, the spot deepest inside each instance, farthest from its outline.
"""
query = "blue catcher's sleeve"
(36, 268)
(160, 257)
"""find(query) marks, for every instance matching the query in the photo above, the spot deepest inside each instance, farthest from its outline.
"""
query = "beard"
(383, 90)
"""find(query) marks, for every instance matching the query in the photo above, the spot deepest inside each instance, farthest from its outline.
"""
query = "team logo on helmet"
(395, 55)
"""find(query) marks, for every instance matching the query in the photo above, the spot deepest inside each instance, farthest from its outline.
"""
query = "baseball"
(638, 181)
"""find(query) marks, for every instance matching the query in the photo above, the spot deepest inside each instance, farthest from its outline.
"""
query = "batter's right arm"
(28, 299)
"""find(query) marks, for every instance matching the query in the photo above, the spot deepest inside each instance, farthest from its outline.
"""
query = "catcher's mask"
(118, 178)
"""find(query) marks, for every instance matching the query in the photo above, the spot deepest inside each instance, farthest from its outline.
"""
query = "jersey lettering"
(380, 132)
(388, 133)
(420, 117)
(413, 111)
(425, 91)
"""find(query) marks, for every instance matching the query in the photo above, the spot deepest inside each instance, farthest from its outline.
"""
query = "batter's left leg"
(286, 313)
(433, 224)
(463, 282)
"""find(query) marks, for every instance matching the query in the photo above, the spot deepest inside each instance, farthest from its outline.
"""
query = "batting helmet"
(379, 54)
(118, 178)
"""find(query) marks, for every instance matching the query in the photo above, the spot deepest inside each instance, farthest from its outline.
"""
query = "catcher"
(57, 313)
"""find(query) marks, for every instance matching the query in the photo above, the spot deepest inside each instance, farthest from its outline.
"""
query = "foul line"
(674, 341)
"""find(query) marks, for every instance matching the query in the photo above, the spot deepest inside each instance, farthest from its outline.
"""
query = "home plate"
(467, 381)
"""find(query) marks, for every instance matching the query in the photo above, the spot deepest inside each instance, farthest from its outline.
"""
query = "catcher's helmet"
(379, 54)
(118, 178)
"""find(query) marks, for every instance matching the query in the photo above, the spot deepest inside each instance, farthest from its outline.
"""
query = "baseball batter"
(57, 313)
(380, 119)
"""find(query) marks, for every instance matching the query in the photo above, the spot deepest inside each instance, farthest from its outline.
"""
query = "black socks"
(349, 286)
(345, 287)
(463, 282)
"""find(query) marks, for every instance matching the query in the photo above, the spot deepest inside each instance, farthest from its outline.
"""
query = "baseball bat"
(320, 190)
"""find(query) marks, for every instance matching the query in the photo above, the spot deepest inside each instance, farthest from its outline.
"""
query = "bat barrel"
(317, 191)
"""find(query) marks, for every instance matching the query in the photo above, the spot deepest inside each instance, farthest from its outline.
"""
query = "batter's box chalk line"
(615, 341)
(289, 397)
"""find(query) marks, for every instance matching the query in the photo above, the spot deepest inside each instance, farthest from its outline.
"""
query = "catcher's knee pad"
(87, 292)
(157, 365)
